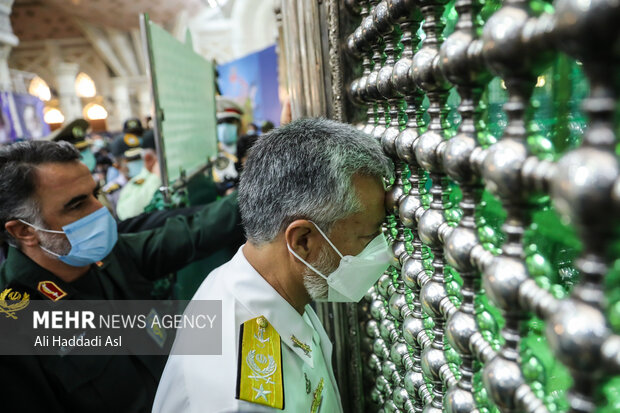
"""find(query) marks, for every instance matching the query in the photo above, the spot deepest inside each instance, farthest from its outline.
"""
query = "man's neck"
(270, 263)
(65, 272)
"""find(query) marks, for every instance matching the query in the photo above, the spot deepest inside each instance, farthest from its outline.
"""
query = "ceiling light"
(84, 86)
(53, 116)
(95, 111)
(39, 88)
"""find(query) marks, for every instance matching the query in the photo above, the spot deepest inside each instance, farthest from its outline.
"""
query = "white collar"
(260, 298)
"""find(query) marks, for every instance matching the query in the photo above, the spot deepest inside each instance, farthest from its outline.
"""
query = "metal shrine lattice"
(432, 340)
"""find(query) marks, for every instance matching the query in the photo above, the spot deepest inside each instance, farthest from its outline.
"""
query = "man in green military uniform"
(65, 246)
(144, 178)
(134, 155)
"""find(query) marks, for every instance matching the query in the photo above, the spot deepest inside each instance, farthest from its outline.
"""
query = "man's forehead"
(53, 177)
(366, 219)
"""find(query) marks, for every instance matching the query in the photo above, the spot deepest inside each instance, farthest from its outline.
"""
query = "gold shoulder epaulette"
(112, 188)
(260, 375)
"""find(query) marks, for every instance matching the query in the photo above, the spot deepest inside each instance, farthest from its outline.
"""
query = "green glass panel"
(185, 93)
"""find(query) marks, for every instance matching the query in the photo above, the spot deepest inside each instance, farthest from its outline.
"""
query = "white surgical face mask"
(355, 274)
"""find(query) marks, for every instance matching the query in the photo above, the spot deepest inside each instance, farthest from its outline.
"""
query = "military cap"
(130, 145)
(227, 109)
(127, 145)
(148, 139)
(74, 132)
(133, 126)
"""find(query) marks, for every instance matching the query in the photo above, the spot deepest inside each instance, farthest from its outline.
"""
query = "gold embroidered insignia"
(112, 188)
(131, 140)
(260, 376)
(51, 290)
(298, 343)
(78, 132)
(10, 309)
(318, 397)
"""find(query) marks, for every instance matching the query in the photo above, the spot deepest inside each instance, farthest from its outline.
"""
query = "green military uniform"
(137, 194)
(108, 383)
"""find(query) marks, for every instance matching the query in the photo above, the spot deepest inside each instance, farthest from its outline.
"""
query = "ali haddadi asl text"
(79, 341)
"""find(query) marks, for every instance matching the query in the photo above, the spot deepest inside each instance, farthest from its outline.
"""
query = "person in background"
(252, 129)
(103, 163)
(126, 149)
(75, 133)
(98, 143)
(224, 172)
(228, 124)
(145, 180)
(132, 127)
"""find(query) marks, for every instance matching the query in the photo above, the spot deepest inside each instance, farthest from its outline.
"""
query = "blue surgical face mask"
(89, 159)
(227, 133)
(92, 238)
(135, 167)
(111, 174)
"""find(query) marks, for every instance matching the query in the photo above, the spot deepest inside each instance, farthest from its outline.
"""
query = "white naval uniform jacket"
(207, 384)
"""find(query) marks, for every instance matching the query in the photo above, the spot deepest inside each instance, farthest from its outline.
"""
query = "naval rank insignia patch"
(259, 377)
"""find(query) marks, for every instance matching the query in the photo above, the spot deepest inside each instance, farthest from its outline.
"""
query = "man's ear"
(24, 234)
(303, 238)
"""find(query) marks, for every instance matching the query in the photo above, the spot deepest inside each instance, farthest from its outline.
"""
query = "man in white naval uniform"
(311, 200)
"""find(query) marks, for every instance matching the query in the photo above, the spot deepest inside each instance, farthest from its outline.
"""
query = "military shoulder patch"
(19, 302)
(51, 290)
(259, 375)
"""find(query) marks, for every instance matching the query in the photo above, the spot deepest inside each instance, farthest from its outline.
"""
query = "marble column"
(122, 103)
(70, 103)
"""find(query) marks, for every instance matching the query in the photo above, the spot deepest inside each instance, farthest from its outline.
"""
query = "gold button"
(262, 322)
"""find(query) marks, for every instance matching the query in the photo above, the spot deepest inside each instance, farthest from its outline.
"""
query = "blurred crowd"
(126, 167)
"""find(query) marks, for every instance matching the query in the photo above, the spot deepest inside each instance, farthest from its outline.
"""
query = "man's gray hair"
(303, 171)
(18, 165)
